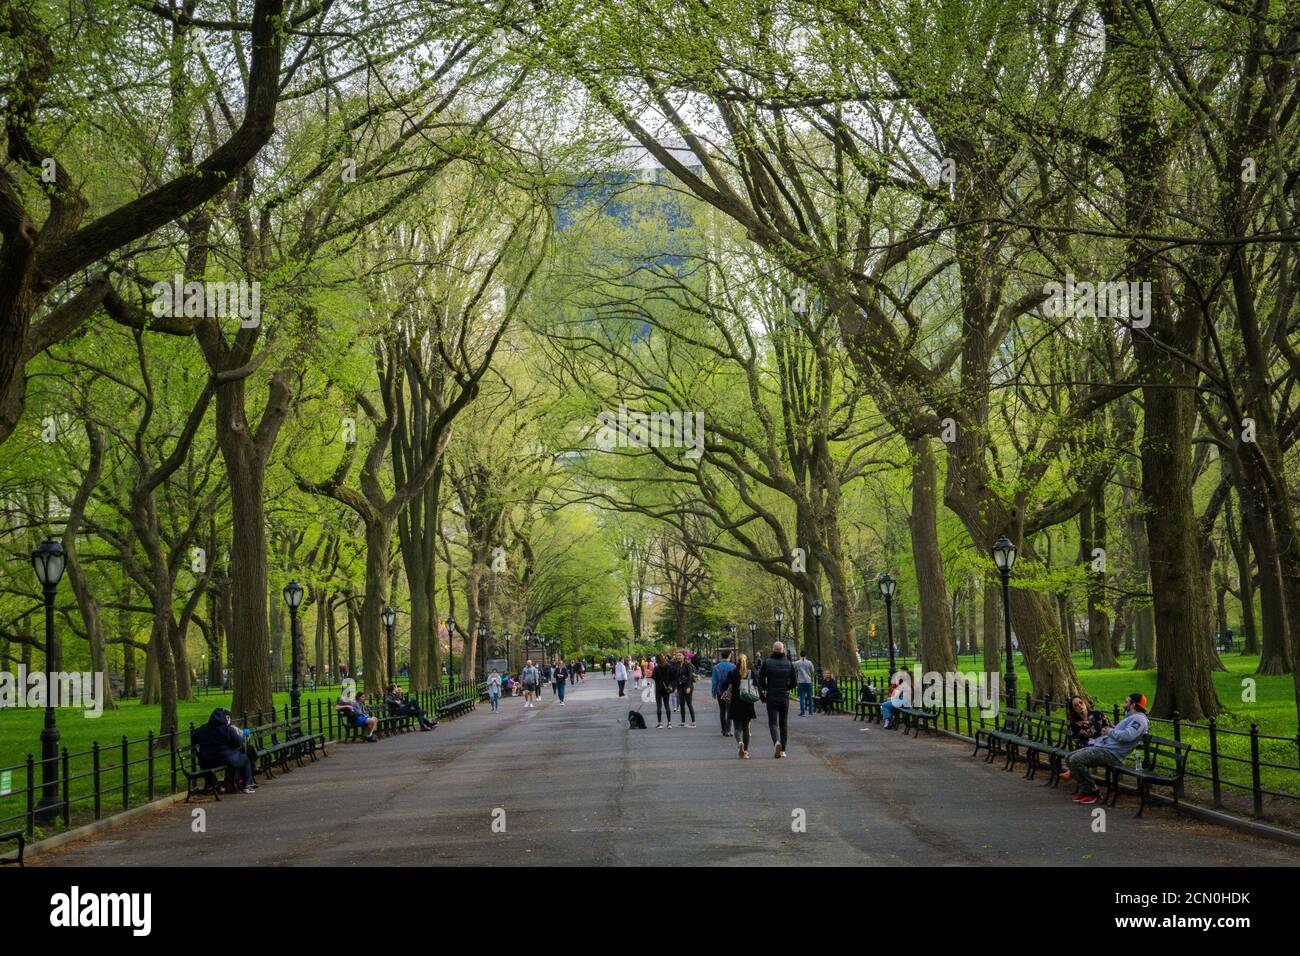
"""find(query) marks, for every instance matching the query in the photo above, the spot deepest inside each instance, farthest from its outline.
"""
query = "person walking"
(636, 674)
(562, 672)
(774, 690)
(803, 682)
(529, 678)
(620, 675)
(684, 681)
(740, 707)
(494, 690)
(721, 680)
(662, 678)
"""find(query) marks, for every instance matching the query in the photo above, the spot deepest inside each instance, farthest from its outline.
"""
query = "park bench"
(21, 838)
(1039, 734)
(386, 726)
(198, 779)
(1162, 762)
(284, 740)
(455, 707)
(1006, 723)
(918, 717)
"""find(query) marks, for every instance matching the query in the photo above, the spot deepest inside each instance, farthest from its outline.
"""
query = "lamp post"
(49, 561)
(887, 585)
(780, 616)
(753, 642)
(507, 652)
(293, 598)
(482, 645)
(390, 618)
(817, 619)
(1004, 556)
(451, 652)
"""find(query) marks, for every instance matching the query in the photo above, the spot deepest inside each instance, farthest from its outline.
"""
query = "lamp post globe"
(293, 592)
(1004, 557)
(49, 561)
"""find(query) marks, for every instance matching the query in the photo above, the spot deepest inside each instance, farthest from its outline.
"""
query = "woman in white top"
(620, 675)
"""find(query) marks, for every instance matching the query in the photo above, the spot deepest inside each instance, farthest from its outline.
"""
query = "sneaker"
(371, 740)
(251, 788)
(670, 726)
(1085, 798)
(777, 751)
(691, 724)
(1065, 775)
(659, 726)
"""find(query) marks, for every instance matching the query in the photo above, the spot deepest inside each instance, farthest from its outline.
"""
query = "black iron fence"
(110, 778)
(1261, 771)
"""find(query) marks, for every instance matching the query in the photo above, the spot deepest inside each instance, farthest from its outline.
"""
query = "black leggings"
(684, 696)
(778, 713)
(742, 732)
(663, 704)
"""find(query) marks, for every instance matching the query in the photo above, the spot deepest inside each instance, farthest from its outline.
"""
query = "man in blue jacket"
(1109, 750)
(721, 677)
(221, 744)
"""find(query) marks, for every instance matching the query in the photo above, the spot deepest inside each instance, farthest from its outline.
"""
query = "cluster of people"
(1098, 745)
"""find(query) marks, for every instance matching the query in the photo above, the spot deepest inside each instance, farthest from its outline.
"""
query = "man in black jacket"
(221, 744)
(774, 683)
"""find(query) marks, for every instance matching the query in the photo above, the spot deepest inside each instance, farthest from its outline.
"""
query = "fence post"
(94, 763)
(944, 698)
(31, 797)
(1254, 769)
(126, 773)
(67, 789)
(173, 759)
(150, 740)
(1214, 762)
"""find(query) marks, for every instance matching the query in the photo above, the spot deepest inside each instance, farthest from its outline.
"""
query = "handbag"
(725, 696)
(749, 696)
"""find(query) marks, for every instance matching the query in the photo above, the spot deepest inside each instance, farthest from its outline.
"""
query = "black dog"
(635, 721)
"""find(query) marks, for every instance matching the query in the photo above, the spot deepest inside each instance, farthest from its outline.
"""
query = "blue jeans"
(559, 689)
(888, 707)
(495, 697)
(805, 698)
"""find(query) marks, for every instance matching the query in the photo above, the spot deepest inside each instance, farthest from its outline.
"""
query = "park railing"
(111, 778)
(1240, 770)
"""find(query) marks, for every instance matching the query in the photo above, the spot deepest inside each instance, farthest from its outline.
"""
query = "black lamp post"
(817, 620)
(887, 585)
(451, 651)
(753, 642)
(482, 646)
(1004, 556)
(390, 618)
(49, 561)
(780, 617)
(293, 599)
(507, 652)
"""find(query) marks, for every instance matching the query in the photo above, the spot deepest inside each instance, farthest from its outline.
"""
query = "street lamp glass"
(49, 561)
(1004, 554)
(390, 616)
(451, 626)
(482, 629)
(780, 615)
(817, 608)
(293, 594)
(753, 626)
(887, 585)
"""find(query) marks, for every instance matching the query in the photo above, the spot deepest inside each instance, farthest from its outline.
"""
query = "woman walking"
(740, 709)
(636, 674)
(620, 675)
(684, 680)
(494, 689)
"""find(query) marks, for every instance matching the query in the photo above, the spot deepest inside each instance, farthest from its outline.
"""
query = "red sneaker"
(1086, 798)
(1065, 775)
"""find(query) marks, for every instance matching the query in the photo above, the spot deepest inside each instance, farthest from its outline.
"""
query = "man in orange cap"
(1109, 750)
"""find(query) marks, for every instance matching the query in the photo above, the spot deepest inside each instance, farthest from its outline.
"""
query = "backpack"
(635, 721)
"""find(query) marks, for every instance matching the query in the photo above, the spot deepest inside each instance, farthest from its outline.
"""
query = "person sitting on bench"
(1085, 725)
(221, 744)
(829, 692)
(401, 705)
(354, 712)
(899, 696)
(1110, 749)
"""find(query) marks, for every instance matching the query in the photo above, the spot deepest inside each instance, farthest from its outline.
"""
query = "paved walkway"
(572, 784)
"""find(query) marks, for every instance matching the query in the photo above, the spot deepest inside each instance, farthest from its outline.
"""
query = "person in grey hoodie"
(1108, 750)
(803, 682)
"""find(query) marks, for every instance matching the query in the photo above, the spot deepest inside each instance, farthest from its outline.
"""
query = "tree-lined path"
(577, 787)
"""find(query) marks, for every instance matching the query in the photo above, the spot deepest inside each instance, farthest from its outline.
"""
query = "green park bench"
(1162, 763)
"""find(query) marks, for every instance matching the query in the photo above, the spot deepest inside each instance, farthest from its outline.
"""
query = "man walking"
(529, 677)
(620, 675)
(803, 682)
(721, 681)
(1108, 751)
(774, 689)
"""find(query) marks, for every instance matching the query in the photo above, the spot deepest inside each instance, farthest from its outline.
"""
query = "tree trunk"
(374, 649)
(935, 636)
(993, 635)
(248, 640)
(1092, 535)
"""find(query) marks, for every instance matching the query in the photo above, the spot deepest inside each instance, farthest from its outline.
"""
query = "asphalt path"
(573, 785)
